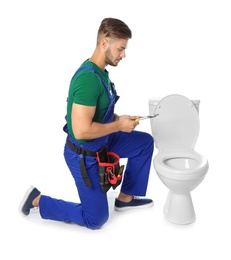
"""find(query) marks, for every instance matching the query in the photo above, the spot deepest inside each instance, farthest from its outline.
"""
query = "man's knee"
(96, 223)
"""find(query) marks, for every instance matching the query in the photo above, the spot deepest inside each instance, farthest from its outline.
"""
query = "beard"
(110, 60)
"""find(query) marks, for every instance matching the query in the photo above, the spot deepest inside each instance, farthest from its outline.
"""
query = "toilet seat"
(177, 126)
(199, 164)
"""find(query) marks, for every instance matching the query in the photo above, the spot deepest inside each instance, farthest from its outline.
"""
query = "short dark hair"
(112, 27)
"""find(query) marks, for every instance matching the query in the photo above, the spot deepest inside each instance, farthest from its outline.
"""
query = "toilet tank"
(196, 103)
(153, 102)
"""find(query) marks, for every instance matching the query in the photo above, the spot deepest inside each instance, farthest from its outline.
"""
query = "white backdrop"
(180, 47)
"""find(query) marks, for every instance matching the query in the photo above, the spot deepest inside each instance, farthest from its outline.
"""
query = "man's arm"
(84, 128)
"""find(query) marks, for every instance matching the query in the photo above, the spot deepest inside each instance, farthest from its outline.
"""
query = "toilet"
(175, 131)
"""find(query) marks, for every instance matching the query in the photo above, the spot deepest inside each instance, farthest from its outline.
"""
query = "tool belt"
(109, 169)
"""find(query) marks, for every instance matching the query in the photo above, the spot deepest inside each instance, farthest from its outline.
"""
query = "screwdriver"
(145, 117)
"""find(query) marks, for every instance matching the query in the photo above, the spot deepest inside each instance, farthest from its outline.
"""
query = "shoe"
(136, 202)
(26, 203)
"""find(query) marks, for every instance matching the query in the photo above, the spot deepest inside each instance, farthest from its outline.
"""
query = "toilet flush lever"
(146, 117)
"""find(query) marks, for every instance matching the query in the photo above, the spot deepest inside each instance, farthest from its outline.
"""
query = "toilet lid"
(177, 126)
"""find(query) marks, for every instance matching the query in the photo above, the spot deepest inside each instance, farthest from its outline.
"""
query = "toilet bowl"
(178, 165)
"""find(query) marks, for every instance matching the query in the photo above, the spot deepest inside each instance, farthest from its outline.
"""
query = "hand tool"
(146, 117)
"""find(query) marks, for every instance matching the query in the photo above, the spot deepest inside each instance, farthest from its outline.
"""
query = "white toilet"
(175, 131)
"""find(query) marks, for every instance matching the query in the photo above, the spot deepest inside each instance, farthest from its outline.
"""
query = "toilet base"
(179, 208)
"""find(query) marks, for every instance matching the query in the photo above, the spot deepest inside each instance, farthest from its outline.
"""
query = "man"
(91, 126)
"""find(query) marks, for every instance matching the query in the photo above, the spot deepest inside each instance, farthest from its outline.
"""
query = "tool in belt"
(110, 171)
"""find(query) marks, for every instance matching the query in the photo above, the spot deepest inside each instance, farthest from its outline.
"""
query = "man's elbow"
(79, 135)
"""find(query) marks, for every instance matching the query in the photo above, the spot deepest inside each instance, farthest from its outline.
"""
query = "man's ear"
(104, 43)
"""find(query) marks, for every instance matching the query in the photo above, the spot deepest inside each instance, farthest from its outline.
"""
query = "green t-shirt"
(86, 88)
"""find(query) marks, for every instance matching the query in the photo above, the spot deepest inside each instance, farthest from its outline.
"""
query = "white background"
(180, 47)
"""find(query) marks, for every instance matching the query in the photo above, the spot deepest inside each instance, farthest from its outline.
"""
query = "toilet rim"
(165, 170)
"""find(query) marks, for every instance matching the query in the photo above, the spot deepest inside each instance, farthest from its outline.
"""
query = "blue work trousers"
(93, 211)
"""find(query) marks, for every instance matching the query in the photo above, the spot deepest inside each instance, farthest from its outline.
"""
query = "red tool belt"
(110, 171)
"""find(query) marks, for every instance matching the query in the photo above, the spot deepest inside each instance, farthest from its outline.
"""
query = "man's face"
(115, 51)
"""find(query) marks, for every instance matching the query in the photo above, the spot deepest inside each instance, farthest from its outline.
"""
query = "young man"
(91, 126)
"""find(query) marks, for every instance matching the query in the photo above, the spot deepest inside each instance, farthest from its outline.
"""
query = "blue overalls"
(93, 210)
